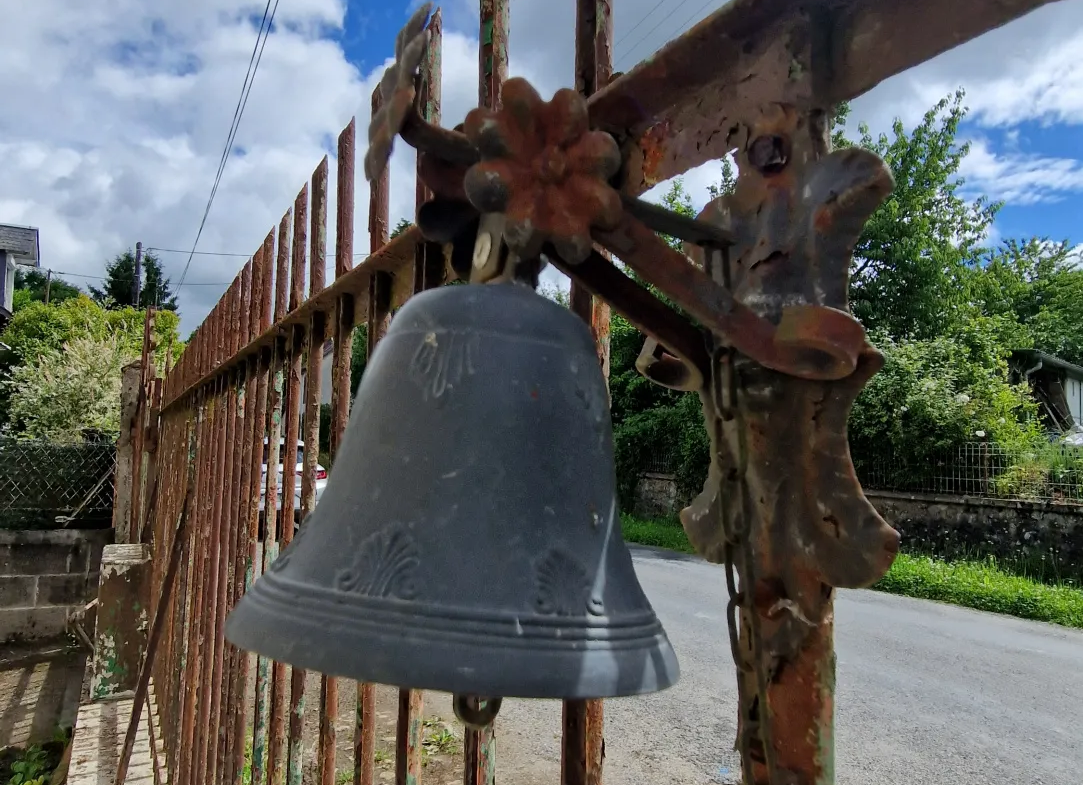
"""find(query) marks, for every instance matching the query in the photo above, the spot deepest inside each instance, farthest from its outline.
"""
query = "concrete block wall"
(44, 576)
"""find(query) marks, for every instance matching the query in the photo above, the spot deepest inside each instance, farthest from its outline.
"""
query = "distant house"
(18, 246)
(1057, 386)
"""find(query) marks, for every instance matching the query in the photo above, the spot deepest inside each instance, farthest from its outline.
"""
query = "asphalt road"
(927, 693)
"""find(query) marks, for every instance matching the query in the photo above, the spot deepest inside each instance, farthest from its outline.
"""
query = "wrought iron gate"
(773, 353)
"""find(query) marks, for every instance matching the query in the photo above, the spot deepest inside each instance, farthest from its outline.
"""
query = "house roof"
(1049, 361)
(21, 242)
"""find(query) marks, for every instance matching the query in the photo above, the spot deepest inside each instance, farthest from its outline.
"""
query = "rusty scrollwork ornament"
(782, 506)
(397, 91)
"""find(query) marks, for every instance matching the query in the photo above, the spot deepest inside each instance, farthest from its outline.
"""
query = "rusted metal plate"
(685, 105)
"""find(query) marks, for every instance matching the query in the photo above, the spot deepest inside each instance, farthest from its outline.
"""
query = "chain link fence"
(43, 481)
(1048, 473)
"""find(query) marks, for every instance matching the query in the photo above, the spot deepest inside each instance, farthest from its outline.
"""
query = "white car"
(321, 479)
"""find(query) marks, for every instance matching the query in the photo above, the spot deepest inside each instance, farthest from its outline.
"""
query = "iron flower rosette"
(545, 170)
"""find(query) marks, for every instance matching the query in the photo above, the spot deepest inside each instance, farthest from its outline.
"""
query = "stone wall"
(1045, 534)
(656, 496)
(44, 575)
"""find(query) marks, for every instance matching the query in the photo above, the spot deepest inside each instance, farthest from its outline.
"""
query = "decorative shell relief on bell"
(385, 566)
(561, 585)
(442, 360)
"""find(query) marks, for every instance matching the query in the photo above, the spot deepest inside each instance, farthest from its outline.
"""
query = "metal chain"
(738, 547)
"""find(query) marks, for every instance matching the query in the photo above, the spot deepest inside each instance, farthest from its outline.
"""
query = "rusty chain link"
(738, 548)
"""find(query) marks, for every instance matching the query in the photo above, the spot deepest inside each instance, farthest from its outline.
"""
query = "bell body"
(468, 539)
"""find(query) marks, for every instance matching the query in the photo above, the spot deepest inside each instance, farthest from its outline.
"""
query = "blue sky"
(113, 134)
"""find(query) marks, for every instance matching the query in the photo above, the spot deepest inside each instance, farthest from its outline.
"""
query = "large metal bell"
(468, 540)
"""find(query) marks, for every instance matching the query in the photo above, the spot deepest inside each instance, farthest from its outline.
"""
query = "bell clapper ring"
(476, 713)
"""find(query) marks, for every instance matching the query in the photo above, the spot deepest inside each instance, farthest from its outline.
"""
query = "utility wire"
(238, 112)
(665, 19)
(637, 24)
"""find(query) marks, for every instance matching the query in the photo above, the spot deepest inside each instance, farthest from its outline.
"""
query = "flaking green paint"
(826, 741)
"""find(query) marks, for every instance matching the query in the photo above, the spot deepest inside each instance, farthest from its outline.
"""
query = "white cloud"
(115, 113)
(1020, 179)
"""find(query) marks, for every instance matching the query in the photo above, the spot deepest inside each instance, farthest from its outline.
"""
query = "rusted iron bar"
(235, 689)
(178, 636)
(275, 517)
(479, 745)
(670, 107)
(225, 556)
(194, 612)
(268, 702)
(212, 609)
(158, 625)
(582, 737)
(260, 365)
(493, 51)
(340, 399)
(295, 354)
(428, 273)
(364, 746)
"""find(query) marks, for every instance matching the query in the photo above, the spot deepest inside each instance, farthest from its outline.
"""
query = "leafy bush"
(64, 392)
(933, 395)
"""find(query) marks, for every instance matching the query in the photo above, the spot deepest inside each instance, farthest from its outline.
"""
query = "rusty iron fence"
(757, 75)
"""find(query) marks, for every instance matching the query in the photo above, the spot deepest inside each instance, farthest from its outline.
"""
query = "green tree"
(400, 227)
(1038, 285)
(907, 278)
(116, 291)
(30, 286)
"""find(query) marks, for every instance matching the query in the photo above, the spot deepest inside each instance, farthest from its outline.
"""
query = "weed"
(31, 768)
(442, 741)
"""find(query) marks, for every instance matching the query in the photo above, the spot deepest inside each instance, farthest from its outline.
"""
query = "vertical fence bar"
(479, 746)
(313, 380)
(211, 606)
(340, 400)
(295, 354)
(219, 679)
(238, 529)
(276, 741)
(201, 561)
(259, 322)
(364, 753)
(582, 744)
(493, 51)
(263, 744)
(428, 272)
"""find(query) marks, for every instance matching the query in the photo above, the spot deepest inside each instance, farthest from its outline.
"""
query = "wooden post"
(123, 487)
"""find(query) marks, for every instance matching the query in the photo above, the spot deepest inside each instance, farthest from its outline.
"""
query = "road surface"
(927, 694)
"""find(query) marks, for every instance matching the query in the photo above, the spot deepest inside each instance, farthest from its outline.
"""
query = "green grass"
(980, 584)
(983, 585)
(666, 533)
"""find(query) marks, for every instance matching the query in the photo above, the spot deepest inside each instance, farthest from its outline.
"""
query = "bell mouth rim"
(403, 655)
(365, 610)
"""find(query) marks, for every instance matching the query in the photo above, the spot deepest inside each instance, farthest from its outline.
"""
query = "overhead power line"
(238, 112)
